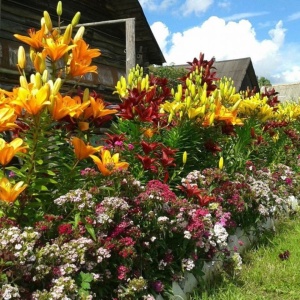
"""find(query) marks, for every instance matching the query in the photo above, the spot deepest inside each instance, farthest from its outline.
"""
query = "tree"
(262, 81)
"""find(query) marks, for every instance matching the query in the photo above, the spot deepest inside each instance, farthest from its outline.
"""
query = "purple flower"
(158, 286)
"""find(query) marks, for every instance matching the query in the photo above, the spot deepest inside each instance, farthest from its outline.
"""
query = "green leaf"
(49, 172)
(39, 161)
(77, 219)
(91, 231)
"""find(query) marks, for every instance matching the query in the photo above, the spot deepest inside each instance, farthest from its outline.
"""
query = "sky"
(267, 31)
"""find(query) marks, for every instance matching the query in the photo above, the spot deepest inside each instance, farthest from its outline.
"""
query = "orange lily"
(107, 164)
(81, 59)
(9, 193)
(7, 119)
(82, 150)
(56, 49)
(32, 99)
(97, 109)
(35, 39)
(9, 150)
(63, 106)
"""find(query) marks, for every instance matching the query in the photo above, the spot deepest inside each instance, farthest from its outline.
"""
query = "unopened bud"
(23, 82)
(76, 19)
(221, 163)
(184, 157)
(59, 8)
(68, 34)
(21, 57)
(86, 95)
(79, 34)
(56, 86)
(48, 21)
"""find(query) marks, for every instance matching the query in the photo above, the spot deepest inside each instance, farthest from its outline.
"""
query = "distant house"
(288, 91)
(240, 70)
(17, 16)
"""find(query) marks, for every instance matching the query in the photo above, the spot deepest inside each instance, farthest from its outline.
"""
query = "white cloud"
(161, 32)
(271, 57)
(294, 16)
(195, 6)
(224, 4)
(155, 5)
(245, 15)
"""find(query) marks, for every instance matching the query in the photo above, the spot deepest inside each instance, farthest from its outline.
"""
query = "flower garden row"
(125, 214)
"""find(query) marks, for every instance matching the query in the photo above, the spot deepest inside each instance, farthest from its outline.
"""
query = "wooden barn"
(112, 37)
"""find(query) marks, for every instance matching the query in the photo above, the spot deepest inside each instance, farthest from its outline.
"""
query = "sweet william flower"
(9, 193)
(9, 150)
(107, 164)
(82, 150)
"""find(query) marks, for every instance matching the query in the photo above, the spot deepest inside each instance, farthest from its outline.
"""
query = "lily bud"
(21, 57)
(76, 19)
(32, 54)
(68, 34)
(79, 34)
(38, 80)
(45, 76)
(221, 163)
(86, 95)
(48, 21)
(184, 157)
(23, 82)
(59, 8)
(56, 86)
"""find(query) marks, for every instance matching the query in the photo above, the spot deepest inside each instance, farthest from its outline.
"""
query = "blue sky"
(268, 31)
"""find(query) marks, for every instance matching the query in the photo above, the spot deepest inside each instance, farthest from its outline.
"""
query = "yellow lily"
(9, 193)
(82, 150)
(107, 164)
(9, 150)
(7, 119)
(32, 99)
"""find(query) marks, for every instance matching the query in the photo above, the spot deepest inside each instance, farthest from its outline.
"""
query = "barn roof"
(240, 70)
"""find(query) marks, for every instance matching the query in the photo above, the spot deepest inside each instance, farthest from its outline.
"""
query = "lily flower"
(9, 193)
(98, 109)
(107, 164)
(81, 59)
(63, 106)
(56, 49)
(9, 150)
(35, 39)
(82, 150)
(7, 119)
(32, 99)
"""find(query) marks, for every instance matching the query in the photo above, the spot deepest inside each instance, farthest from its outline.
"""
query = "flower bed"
(130, 214)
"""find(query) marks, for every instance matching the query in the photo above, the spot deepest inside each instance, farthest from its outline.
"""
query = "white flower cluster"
(64, 288)
(188, 264)
(8, 292)
(219, 236)
(191, 178)
(81, 199)
(20, 243)
(115, 203)
(102, 253)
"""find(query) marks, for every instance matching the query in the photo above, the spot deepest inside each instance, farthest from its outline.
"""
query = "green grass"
(264, 275)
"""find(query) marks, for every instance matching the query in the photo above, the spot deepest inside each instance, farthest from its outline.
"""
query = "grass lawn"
(264, 275)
